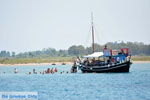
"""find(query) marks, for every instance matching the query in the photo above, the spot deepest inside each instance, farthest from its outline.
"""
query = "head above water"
(105, 46)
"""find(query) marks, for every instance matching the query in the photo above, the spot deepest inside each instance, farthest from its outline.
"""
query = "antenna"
(93, 48)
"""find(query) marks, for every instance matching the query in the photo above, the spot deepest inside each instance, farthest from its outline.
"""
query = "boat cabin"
(108, 56)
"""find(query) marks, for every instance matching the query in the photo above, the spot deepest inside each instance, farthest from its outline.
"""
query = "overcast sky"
(35, 24)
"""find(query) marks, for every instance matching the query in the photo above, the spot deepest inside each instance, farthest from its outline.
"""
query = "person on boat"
(118, 59)
(109, 60)
(125, 51)
(15, 70)
(105, 48)
(113, 60)
(93, 61)
(86, 62)
(107, 52)
(128, 58)
(123, 57)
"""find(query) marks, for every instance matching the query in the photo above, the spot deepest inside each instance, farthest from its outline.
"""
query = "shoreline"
(141, 61)
(57, 63)
(36, 64)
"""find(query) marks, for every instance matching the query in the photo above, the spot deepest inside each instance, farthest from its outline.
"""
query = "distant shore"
(57, 63)
(37, 64)
(141, 61)
(55, 60)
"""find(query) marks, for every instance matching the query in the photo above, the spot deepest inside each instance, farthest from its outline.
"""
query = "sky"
(27, 25)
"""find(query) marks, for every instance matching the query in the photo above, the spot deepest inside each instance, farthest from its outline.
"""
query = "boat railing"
(103, 63)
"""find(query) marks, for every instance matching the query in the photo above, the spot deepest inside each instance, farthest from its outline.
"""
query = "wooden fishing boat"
(108, 60)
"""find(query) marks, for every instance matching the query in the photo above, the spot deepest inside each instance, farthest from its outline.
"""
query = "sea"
(134, 85)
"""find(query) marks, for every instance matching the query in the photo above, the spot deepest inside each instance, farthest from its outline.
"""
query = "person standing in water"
(15, 70)
(55, 70)
(48, 71)
(52, 71)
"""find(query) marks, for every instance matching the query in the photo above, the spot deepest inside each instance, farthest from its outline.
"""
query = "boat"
(53, 64)
(107, 60)
(63, 64)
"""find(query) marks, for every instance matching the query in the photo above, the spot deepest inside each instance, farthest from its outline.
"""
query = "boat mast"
(93, 48)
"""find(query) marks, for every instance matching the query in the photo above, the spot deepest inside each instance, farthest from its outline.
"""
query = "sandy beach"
(36, 64)
(57, 63)
(141, 61)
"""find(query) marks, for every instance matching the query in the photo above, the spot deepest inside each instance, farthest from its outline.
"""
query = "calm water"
(104, 86)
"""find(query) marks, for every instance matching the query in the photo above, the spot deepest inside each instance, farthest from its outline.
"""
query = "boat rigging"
(107, 60)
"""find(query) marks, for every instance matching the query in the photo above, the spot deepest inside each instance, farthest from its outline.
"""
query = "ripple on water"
(104, 86)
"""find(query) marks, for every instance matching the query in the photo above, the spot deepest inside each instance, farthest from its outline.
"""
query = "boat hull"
(121, 67)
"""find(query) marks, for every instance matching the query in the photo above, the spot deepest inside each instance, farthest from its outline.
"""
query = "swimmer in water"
(55, 70)
(48, 71)
(52, 71)
(15, 70)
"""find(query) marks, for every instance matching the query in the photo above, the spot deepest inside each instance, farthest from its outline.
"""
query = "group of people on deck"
(109, 57)
(120, 56)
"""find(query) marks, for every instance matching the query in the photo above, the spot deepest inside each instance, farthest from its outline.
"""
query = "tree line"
(137, 48)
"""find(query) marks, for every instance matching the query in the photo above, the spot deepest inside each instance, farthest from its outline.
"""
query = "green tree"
(13, 54)
(76, 50)
(4, 54)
